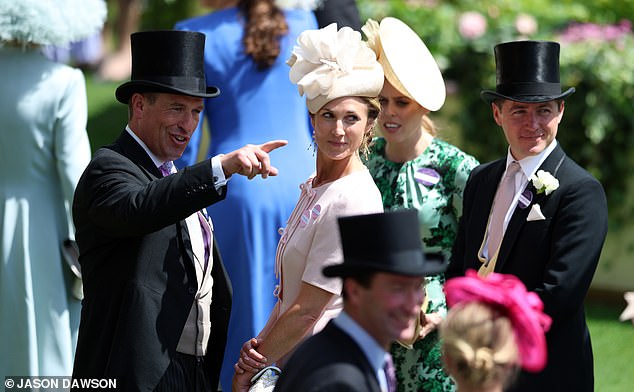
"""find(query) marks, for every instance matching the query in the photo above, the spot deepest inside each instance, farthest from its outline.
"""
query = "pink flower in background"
(472, 25)
(577, 32)
(526, 24)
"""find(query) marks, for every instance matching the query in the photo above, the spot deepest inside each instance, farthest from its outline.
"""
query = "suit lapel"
(129, 147)
(133, 150)
(348, 344)
(518, 219)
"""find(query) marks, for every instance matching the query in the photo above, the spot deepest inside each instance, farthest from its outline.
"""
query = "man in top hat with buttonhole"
(535, 213)
(156, 296)
(383, 274)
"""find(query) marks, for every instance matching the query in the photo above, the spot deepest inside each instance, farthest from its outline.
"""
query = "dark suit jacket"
(555, 257)
(328, 361)
(137, 265)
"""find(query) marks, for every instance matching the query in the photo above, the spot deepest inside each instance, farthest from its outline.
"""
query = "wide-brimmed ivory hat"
(327, 64)
(407, 63)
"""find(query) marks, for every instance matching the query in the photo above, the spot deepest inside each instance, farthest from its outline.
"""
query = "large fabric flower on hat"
(323, 58)
(507, 294)
(50, 22)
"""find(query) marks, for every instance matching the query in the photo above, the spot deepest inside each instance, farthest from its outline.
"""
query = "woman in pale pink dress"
(341, 79)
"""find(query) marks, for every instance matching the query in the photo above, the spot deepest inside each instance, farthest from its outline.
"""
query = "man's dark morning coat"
(555, 257)
(137, 264)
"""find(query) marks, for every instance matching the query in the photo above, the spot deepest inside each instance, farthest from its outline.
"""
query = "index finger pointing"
(272, 145)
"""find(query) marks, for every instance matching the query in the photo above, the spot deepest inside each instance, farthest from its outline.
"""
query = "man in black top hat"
(535, 213)
(156, 296)
(383, 274)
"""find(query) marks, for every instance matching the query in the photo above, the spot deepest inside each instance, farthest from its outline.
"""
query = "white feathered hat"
(327, 64)
(406, 61)
(50, 22)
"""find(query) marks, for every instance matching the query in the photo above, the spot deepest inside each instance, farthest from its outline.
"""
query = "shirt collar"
(530, 164)
(156, 161)
(372, 350)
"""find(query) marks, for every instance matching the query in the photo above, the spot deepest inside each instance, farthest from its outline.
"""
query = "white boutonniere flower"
(544, 182)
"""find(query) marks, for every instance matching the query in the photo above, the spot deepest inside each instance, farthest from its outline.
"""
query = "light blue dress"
(43, 150)
(253, 107)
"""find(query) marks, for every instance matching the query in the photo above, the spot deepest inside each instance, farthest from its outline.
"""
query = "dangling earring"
(365, 144)
(312, 144)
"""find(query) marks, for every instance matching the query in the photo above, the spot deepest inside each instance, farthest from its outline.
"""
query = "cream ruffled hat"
(406, 61)
(327, 64)
(50, 22)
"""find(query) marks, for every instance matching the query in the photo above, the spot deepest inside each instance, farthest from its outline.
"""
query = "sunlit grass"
(613, 344)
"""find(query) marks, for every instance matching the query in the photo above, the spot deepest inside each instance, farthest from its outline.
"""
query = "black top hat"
(169, 61)
(385, 242)
(527, 71)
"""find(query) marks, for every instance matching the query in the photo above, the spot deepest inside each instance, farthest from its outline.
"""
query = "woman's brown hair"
(265, 25)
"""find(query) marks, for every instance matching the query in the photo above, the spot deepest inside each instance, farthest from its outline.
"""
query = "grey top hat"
(527, 71)
(169, 61)
(384, 242)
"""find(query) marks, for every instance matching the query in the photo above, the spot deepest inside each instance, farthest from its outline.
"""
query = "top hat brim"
(434, 263)
(489, 96)
(125, 91)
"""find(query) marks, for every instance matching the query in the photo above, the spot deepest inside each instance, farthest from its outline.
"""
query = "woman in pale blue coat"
(43, 151)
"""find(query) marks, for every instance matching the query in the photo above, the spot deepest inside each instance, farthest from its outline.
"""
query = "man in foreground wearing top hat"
(535, 213)
(383, 274)
(156, 296)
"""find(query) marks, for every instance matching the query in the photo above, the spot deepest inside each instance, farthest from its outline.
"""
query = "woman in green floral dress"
(414, 169)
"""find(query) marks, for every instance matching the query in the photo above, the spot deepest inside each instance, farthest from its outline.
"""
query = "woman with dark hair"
(246, 47)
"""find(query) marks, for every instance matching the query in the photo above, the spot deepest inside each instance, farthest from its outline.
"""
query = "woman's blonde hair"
(374, 109)
(478, 346)
(429, 126)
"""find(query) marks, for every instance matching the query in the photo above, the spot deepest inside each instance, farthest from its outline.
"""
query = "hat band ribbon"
(187, 83)
(531, 88)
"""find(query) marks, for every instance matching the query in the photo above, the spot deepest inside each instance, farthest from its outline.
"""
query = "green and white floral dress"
(432, 183)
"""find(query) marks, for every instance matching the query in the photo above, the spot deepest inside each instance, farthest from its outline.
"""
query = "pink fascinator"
(507, 294)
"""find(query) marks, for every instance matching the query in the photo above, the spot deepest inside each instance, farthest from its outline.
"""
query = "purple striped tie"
(390, 373)
(166, 169)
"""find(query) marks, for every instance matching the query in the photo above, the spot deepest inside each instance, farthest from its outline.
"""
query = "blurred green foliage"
(163, 14)
(597, 58)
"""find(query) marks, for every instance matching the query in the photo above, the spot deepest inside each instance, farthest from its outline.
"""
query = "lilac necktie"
(501, 204)
(166, 169)
(390, 374)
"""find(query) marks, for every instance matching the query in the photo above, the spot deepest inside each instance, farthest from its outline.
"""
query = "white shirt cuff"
(218, 174)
